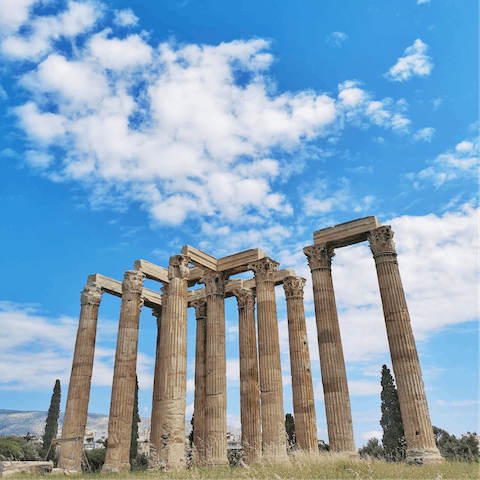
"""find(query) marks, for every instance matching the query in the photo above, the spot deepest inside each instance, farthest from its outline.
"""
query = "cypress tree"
(135, 421)
(394, 445)
(51, 424)
(290, 429)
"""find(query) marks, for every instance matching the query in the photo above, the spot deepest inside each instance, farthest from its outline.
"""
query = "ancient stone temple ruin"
(261, 390)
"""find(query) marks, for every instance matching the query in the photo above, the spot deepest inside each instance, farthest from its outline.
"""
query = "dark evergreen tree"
(135, 421)
(51, 425)
(192, 433)
(290, 429)
(394, 445)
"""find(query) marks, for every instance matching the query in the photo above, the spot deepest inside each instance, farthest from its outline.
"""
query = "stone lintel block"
(194, 275)
(238, 262)
(114, 287)
(11, 467)
(152, 271)
(200, 259)
(347, 233)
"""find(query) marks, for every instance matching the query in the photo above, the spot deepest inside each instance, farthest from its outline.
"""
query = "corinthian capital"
(293, 286)
(91, 295)
(178, 266)
(245, 297)
(133, 282)
(319, 256)
(157, 313)
(214, 282)
(381, 240)
(200, 307)
(264, 269)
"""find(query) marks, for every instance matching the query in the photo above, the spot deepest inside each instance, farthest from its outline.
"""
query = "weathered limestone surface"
(346, 233)
(80, 379)
(156, 417)
(249, 386)
(421, 446)
(302, 385)
(334, 377)
(215, 371)
(199, 399)
(173, 365)
(273, 422)
(124, 374)
(8, 468)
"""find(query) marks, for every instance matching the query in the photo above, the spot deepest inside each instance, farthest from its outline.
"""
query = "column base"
(122, 467)
(423, 457)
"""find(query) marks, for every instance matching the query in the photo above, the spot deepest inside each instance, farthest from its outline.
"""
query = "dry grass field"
(325, 466)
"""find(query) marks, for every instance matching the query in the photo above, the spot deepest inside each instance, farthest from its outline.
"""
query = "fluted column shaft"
(406, 366)
(173, 366)
(332, 363)
(249, 386)
(199, 399)
(124, 374)
(302, 386)
(156, 417)
(271, 389)
(215, 371)
(76, 409)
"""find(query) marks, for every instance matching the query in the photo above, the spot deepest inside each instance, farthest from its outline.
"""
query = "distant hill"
(15, 422)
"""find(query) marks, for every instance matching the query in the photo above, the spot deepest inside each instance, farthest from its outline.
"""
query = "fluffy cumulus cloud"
(424, 134)
(186, 130)
(362, 110)
(437, 258)
(460, 162)
(414, 63)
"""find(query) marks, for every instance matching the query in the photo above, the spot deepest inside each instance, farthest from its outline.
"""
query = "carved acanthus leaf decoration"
(178, 267)
(245, 297)
(91, 295)
(264, 270)
(214, 282)
(293, 286)
(319, 256)
(200, 307)
(133, 282)
(381, 240)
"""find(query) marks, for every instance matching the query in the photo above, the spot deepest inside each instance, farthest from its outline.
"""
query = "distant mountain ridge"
(17, 422)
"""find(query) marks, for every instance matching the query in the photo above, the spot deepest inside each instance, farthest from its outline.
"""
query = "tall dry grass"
(302, 466)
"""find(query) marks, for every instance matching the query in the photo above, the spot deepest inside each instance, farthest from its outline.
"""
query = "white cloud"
(437, 102)
(125, 18)
(321, 201)
(185, 130)
(336, 39)
(362, 110)
(456, 163)
(424, 134)
(372, 434)
(419, 2)
(3, 94)
(78, 18)
(415, 62)
(457, 403)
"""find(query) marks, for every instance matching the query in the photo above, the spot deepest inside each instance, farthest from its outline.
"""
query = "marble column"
(124, 374)
(249, 386)
(173, 366)
(302, 386)
(156, 417)
(270, 368)
(199, 399)
(215, 371)
(332, 364)
(76, 409)
(421, 446)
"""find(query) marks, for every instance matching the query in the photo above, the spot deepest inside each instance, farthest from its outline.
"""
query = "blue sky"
(131, 129)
